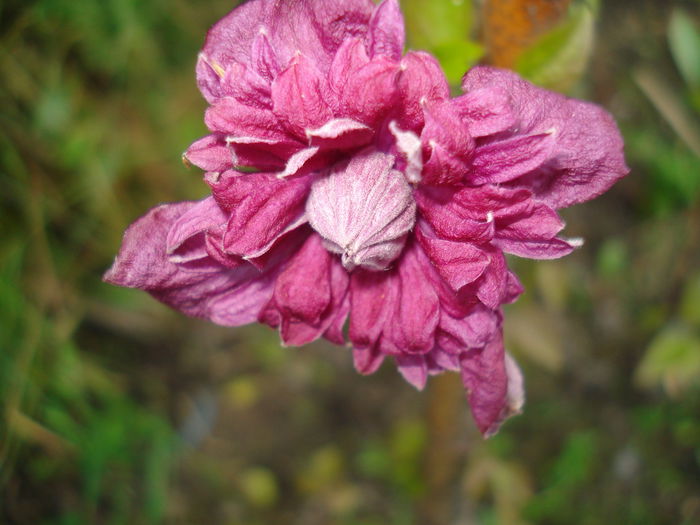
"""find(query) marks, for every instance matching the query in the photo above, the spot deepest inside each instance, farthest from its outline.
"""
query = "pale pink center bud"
(363, 210)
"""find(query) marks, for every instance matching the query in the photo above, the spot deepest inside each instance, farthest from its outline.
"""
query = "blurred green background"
(117, 410)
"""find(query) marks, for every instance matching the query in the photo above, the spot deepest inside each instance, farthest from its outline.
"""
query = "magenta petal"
(367, 360)
(532, 233)
(505, 160)
(301, 163)
(317, 28)
(372, 300)
(303, 289)
(228, 41)
(263, 57)
(486, 381)
(485, 111)
(450, 220)
(417, 311)
(185, 240)
(340, 133)
(386, 32)
(247, 125)
(143, 260)
(492, 287)
(474, 330)
(310, 296)
(243, 303)
(262, 208)
(363, 89)
(587, 157)
(447, 145)
(421, 81)
(210, 153)
(298, 96)
(414, 369)
(459, 263)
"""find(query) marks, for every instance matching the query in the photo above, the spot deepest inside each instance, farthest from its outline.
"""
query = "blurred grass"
(116, 410)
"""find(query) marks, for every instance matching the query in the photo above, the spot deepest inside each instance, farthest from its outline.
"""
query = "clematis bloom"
(352, 198)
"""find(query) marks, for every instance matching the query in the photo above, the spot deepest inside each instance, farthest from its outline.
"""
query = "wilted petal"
(298, 96)
(485, 111)
(386, 32)
(459, 263)
(414, 369)
(363, 210)
(210, 153)
(587, 157)
(144, 262)
(372, 300)
(261, 207)
(421, 81)
(367, 360)
(494, 389)
(505, 160)
(447, 145)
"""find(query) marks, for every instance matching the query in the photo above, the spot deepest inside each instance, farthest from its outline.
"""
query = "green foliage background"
(117, 410)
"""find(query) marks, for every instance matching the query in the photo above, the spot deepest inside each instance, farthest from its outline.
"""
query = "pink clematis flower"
(353, 198)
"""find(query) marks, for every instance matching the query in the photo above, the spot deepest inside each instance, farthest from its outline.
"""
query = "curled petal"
(414, 369)
(223, 295)
(308, 294)
(586, 158)
(485, 111)
(298, 96)
(386, 32)
(261, 209)
(421, 81)
(447, 145)
(210, 153)
(505, 160)
(494, 385)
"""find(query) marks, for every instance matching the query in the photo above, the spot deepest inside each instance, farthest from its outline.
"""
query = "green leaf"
(690, 301)
(672, 360)
(443, 27)
(558, 58)
(684, 41)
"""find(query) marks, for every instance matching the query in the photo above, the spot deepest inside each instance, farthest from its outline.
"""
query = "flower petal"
(261, 207)
(386, 31)
(363, 211)
(421, 81)
(226, 296)
(298, 96)
(489, 383)
(587, 157)
(211, 153)
(459, 263)
(485, 111)
(505, 160)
